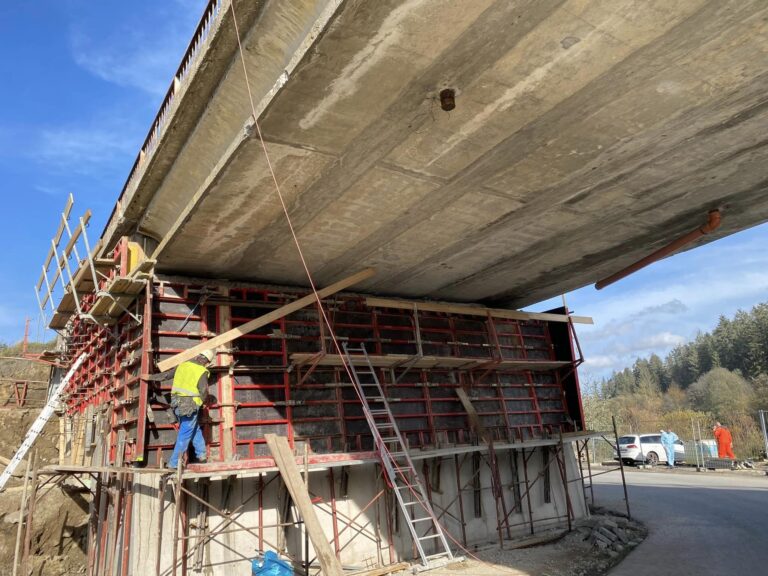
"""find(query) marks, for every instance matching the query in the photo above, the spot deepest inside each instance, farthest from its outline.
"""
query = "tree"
(721, 392)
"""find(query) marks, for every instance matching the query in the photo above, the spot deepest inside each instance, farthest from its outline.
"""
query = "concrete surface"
(586, 134)
(700, 523)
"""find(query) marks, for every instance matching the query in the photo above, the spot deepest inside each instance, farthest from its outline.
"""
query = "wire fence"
(698, 441)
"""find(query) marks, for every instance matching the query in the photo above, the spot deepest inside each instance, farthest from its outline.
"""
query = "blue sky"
(83, 82)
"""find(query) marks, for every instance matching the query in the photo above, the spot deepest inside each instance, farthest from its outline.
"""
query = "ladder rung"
(430, 537)
(440, 555)
(410, 503)
(421, 519)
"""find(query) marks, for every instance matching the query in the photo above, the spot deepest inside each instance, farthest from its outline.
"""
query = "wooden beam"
(286, 463)
(383, 570)
(470, 310)
(474, 419)
(64, 257)
(57, 237)
(276, 314)
(227, 383)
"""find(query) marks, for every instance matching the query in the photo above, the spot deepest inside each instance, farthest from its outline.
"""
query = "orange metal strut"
(713, 223)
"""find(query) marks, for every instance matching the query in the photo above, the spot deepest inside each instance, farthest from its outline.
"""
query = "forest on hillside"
(721, 375)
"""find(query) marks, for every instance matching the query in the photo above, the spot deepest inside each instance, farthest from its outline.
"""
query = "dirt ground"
(567, 554)
(60, 520)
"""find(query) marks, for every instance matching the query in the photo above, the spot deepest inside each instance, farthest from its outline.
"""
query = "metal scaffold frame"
(479, 394)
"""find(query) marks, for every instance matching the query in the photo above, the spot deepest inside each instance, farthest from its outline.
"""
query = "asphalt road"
(703, 524)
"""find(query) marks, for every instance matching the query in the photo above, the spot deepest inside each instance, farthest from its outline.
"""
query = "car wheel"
(652, 458)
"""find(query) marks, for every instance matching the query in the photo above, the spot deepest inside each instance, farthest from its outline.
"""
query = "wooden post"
(177, 516)
(22, 510)
(227, 399)
(160, 517)
(62, 440)
(286, 463)
(25, 567)
(256, 323)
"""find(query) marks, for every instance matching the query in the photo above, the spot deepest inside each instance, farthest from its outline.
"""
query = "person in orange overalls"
(724, 441)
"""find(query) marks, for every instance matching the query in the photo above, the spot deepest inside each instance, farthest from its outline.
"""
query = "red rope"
(331, 332)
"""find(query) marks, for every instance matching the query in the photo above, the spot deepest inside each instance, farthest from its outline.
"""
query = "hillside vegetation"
(720, 376)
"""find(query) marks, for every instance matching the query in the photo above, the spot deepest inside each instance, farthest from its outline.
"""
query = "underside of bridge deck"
(586, 134)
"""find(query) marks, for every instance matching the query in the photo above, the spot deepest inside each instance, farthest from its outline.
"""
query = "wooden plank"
(474, 418)
(56, 238)
(389, 360)
(65, 256)
(286, 463)
(383, 570)
(227, 389)
(469, 310)
(276, 314)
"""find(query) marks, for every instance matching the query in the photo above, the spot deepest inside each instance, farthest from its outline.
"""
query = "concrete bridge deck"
(586, 134)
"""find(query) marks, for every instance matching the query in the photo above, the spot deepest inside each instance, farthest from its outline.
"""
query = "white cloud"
(132, 54)
(662, 340)
(95, 151)
(668, 303)
(133, 63)
(600, 361)
(71, 146)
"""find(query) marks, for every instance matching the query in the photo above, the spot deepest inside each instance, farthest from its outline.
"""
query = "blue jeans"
(189, 430)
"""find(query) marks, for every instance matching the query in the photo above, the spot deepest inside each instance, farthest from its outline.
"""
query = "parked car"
(646, 449)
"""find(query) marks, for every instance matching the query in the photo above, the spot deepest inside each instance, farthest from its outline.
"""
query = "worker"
(724, 441)
(190, 387)
(668, 439)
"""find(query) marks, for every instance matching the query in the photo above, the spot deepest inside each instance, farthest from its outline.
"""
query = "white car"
(646, 449)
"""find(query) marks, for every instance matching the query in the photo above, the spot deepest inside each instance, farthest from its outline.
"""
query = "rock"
(612, 554)
(621, 535)
(610, 523)
(621, 521)
(601, 544)
(602, 538)
(11, 518)
(607, 533)
(618, 547)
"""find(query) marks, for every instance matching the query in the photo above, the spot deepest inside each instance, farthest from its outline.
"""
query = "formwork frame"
(282, 379)
(110, 486)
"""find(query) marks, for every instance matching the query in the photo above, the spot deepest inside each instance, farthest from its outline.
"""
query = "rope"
(311, 281)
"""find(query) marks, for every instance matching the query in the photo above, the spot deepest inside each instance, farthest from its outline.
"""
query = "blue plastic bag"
(270, 565)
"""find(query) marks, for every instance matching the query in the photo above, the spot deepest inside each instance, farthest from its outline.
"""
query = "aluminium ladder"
(400, 472)
(39, 423)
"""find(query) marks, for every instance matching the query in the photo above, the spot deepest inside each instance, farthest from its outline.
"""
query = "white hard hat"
(208, 355)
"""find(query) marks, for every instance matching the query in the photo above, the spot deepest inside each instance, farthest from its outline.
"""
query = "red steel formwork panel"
(258, 386)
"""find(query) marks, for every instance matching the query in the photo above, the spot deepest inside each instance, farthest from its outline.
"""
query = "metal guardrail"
(210, 16)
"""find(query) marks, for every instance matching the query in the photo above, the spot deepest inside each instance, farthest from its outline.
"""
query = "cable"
(331, 332)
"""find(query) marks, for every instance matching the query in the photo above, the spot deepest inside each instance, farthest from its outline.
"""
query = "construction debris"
(610, 532)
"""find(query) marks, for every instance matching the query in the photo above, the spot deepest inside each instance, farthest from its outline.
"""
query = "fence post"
(765, 433)
(621, 466)
(695, 446)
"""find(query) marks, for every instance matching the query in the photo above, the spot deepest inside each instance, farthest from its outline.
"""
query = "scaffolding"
(487, 402)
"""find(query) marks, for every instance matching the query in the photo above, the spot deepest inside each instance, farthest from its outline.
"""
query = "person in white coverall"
(668, 439)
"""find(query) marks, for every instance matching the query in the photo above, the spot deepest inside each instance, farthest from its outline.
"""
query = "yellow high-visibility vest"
(185, 380)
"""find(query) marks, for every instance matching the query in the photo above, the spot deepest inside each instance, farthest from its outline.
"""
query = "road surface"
(703, 524)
